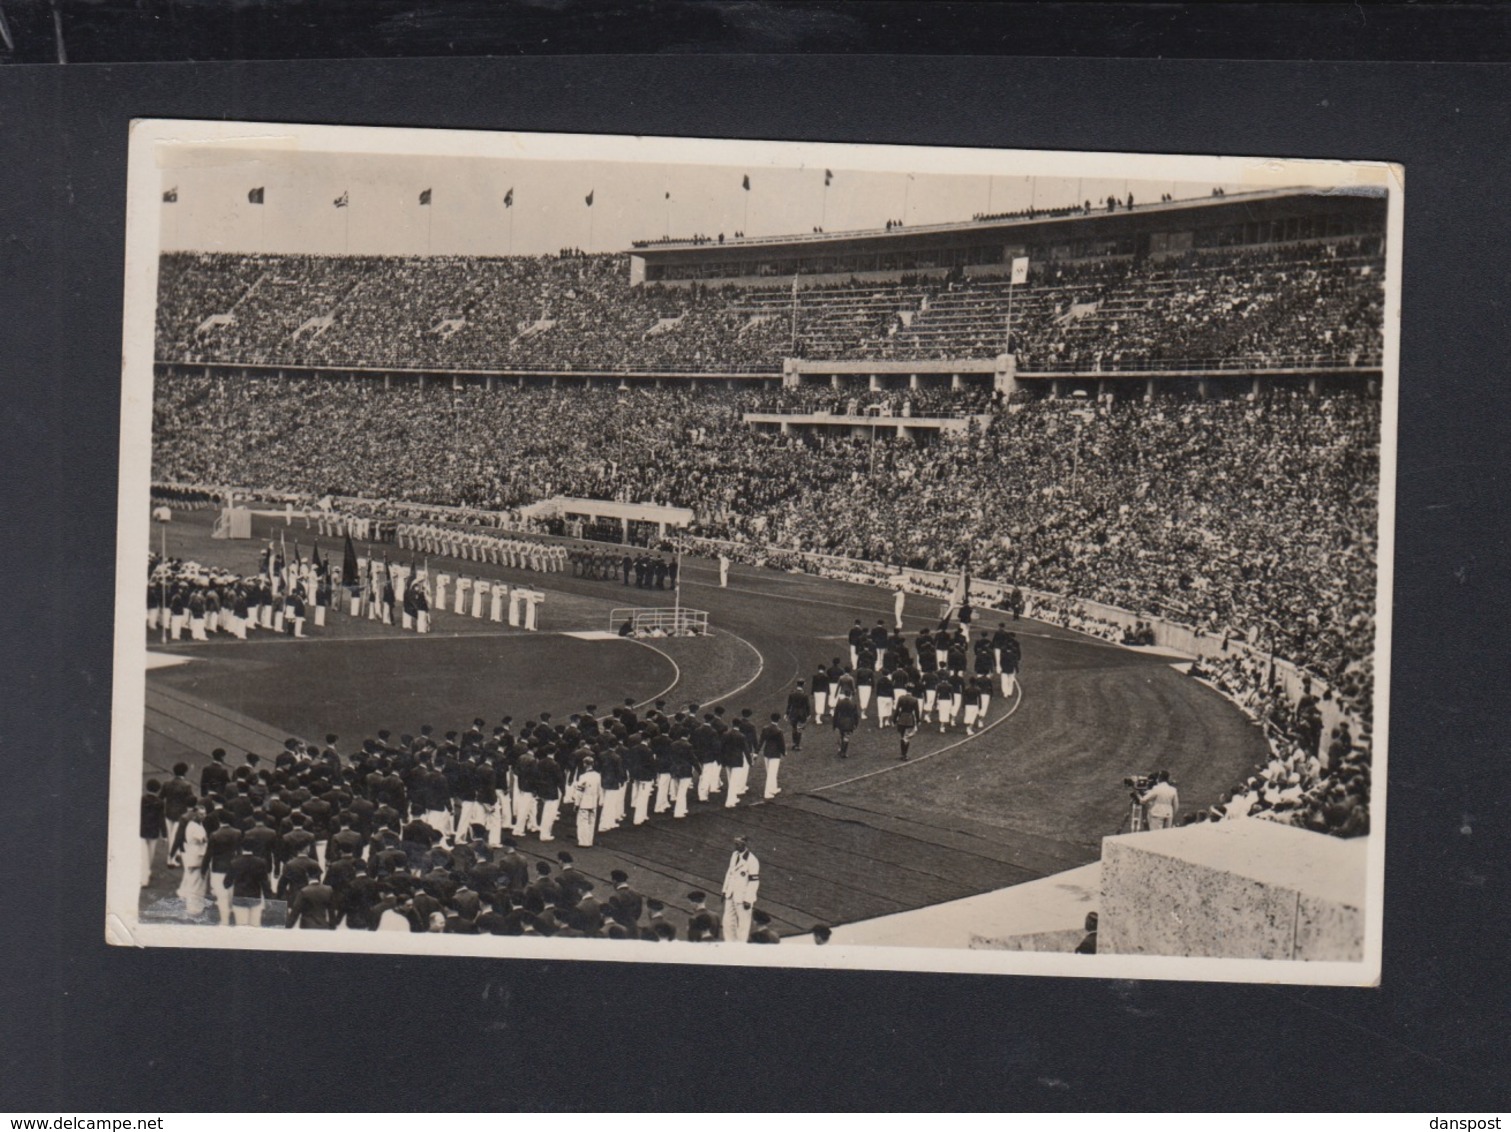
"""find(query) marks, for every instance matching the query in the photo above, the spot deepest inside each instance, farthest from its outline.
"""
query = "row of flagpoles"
(365, 585)
(258, 196)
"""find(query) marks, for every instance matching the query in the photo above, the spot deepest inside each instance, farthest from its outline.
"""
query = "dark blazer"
(313, 907)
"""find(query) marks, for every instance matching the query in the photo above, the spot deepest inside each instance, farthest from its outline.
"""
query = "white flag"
(1020, 269)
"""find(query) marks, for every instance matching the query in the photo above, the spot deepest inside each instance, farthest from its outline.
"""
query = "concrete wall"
(1239, 889)
(1065, 940)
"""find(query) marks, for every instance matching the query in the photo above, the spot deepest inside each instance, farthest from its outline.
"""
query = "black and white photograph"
(756, 553)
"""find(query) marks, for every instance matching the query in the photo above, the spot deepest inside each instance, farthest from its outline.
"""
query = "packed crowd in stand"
(1317, 302)
(1251, 517)
(923, 402)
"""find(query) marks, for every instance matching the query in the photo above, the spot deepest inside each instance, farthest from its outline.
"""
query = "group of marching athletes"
(187, 597)
(516, 551)
(417, 832)
(945, 678)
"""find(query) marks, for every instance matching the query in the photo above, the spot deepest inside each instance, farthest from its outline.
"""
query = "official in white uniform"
(742, 881)
(587, 794)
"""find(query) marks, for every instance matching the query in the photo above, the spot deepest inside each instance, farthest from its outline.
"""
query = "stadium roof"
(1264, 204)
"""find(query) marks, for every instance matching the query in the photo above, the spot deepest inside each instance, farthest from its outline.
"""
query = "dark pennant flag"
(589, 197)
(349, 563)
(425, 197)
(254, 196)
(745, 182)
(828, 177)
(171, 196)
(509, 199)
(343, 200)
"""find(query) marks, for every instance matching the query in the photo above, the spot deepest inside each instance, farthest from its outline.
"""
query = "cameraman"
(1160, 802)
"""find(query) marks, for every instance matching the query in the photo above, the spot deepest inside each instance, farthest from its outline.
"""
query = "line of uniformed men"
(517, 551)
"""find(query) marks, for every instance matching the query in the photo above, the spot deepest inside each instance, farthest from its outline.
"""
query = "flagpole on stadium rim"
(162, 587)
(1007, 331)
(677, 592)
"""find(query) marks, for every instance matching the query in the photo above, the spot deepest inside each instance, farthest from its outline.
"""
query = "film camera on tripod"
(1139, 785)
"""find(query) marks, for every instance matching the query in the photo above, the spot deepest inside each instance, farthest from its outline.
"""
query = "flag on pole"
(589, 197)
(1020, 269)
(425, 196)
(349, 562)
(962, 586)
(254, 196)
(171, 195)
(509, 199)
(668, 194)
(745, 182)
(828, 177)
(343, 200)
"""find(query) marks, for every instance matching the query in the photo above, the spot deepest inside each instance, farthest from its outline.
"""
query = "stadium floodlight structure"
(660, 622)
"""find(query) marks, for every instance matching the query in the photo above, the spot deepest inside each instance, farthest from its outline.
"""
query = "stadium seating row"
(1309, 304)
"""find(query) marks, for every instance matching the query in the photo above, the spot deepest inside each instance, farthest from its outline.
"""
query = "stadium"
(1139, 437)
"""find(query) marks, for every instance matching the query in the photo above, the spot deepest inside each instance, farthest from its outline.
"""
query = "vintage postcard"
(710, 551)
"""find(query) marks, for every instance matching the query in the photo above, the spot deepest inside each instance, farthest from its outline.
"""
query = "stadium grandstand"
(1135, 413)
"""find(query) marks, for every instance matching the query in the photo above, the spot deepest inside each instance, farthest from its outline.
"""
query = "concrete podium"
(1246, 889)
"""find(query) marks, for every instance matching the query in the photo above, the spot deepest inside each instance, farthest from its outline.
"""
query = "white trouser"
(1009, 683)
(820, 701)
(736, 921)
(773, 767)
(865, 698)
(970, 716)
(612, 809)
(663, 793)
(641, 795)
(884, 710)
(548, 818)
(524, 813)
(222, 896)
(741, 779)
(679, 790)
(708, 780)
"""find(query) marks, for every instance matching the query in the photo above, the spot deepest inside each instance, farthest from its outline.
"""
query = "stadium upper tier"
(1315, 304)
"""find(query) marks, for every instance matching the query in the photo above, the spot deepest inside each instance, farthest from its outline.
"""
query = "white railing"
(666, 622)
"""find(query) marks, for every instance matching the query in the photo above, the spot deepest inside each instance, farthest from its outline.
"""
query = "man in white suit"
(741, 883)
